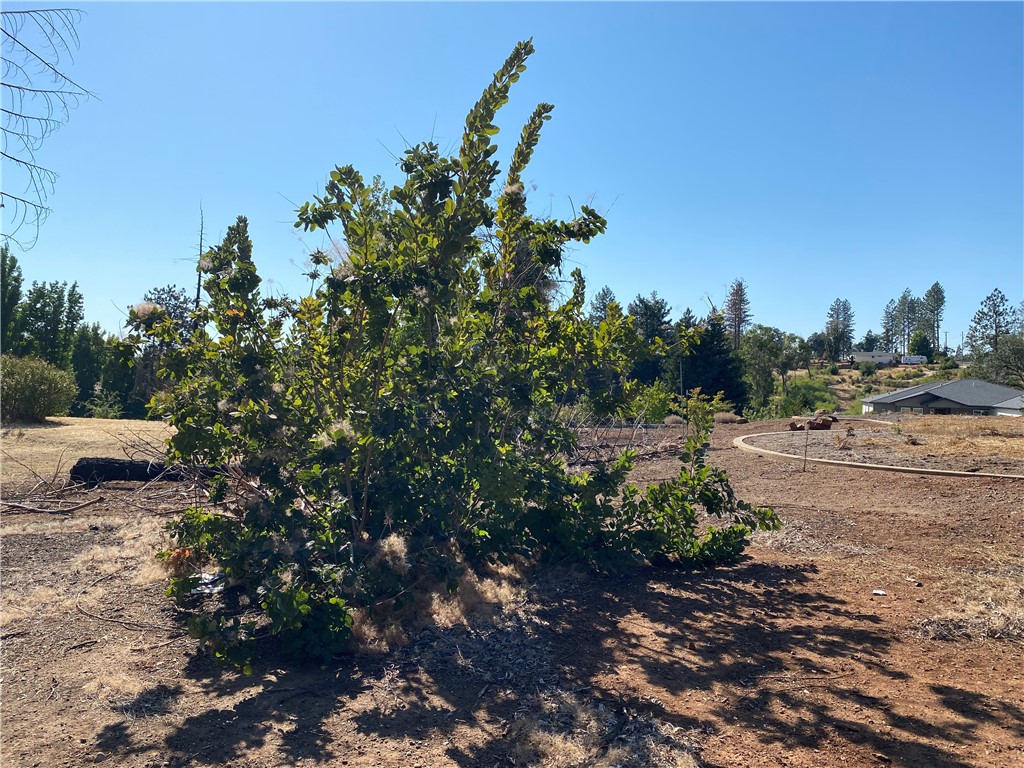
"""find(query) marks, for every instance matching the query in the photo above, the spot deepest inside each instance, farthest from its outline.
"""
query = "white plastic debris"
(878, 592)
(209, 583)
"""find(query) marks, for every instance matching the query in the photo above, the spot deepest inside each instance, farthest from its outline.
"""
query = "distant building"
(971, 397)
(879, 358)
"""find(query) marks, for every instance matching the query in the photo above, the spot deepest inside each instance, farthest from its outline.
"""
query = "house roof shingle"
(971, 393)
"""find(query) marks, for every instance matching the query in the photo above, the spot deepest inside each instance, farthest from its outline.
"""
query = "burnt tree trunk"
(93, 471)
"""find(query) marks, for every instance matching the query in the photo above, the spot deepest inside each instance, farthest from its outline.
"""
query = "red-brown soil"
(788, 659)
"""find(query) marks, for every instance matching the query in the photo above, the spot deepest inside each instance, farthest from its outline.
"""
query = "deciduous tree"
(414, 396)
(46, 322)
(10, 296)
(38, 97)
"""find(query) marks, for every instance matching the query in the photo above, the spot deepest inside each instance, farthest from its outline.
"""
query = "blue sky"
(816, 150)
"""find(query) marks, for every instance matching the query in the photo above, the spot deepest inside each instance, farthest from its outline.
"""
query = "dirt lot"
(789, 659)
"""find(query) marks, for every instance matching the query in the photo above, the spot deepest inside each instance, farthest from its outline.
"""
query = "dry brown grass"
(33, 452)
(132, 549)
(985, 605)
(562, 731)
(728, 418)
(481, 598)
(963, 436)
(966, 426)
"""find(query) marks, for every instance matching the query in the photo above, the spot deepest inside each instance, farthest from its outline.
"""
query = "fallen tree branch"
(67, 511)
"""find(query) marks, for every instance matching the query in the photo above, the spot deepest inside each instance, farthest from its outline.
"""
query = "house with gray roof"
(971, 397)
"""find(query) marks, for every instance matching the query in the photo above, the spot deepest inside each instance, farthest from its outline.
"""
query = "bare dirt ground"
(789, 659)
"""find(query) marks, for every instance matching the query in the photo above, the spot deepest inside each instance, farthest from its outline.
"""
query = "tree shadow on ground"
(748, 641)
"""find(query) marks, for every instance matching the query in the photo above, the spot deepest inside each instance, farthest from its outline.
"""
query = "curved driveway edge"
(739, 443)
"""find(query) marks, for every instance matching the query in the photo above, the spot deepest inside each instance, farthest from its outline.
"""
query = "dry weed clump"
(729, 418)
(810, 537)
(37, 602)
(990, 607)
(560, 730)
(479, 598)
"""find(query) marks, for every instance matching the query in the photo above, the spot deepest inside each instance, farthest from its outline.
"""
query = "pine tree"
(711, 364)
(933, 305)
(995, 318)
(839, 330)
(737, 312)
(651, 323)
(905, 317)
(888, 341)
(599, 305)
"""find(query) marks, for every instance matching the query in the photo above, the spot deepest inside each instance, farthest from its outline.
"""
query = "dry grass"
(986, 605)
(562, 731)
(480, 598)
(40, 601)
(34, 452)
(728, 418)
(961, 436)
(966, 427)
(132, 548)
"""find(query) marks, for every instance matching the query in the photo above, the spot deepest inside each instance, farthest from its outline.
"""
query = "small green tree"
(415, 392)
(10, 297)
(88, 356)
(46, 322)
(920, 344)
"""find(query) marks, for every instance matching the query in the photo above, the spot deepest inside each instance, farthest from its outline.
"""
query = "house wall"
(1006, 412)
(924, 403)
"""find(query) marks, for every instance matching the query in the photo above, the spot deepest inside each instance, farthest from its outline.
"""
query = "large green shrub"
(806, 396)
(649, 404)
(418, 391)
(31, 390)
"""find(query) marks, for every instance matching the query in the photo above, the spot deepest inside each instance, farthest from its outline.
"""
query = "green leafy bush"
(806, 396)
(31, 390)
(104, 405)
(418, 391)
(761, 412)
(868, 368)
(650, 404)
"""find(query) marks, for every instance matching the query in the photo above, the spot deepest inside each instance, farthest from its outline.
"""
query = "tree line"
(723, 351)
(45, 321)
(750, 364)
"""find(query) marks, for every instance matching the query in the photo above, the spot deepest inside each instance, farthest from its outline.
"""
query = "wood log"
(93, 471)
